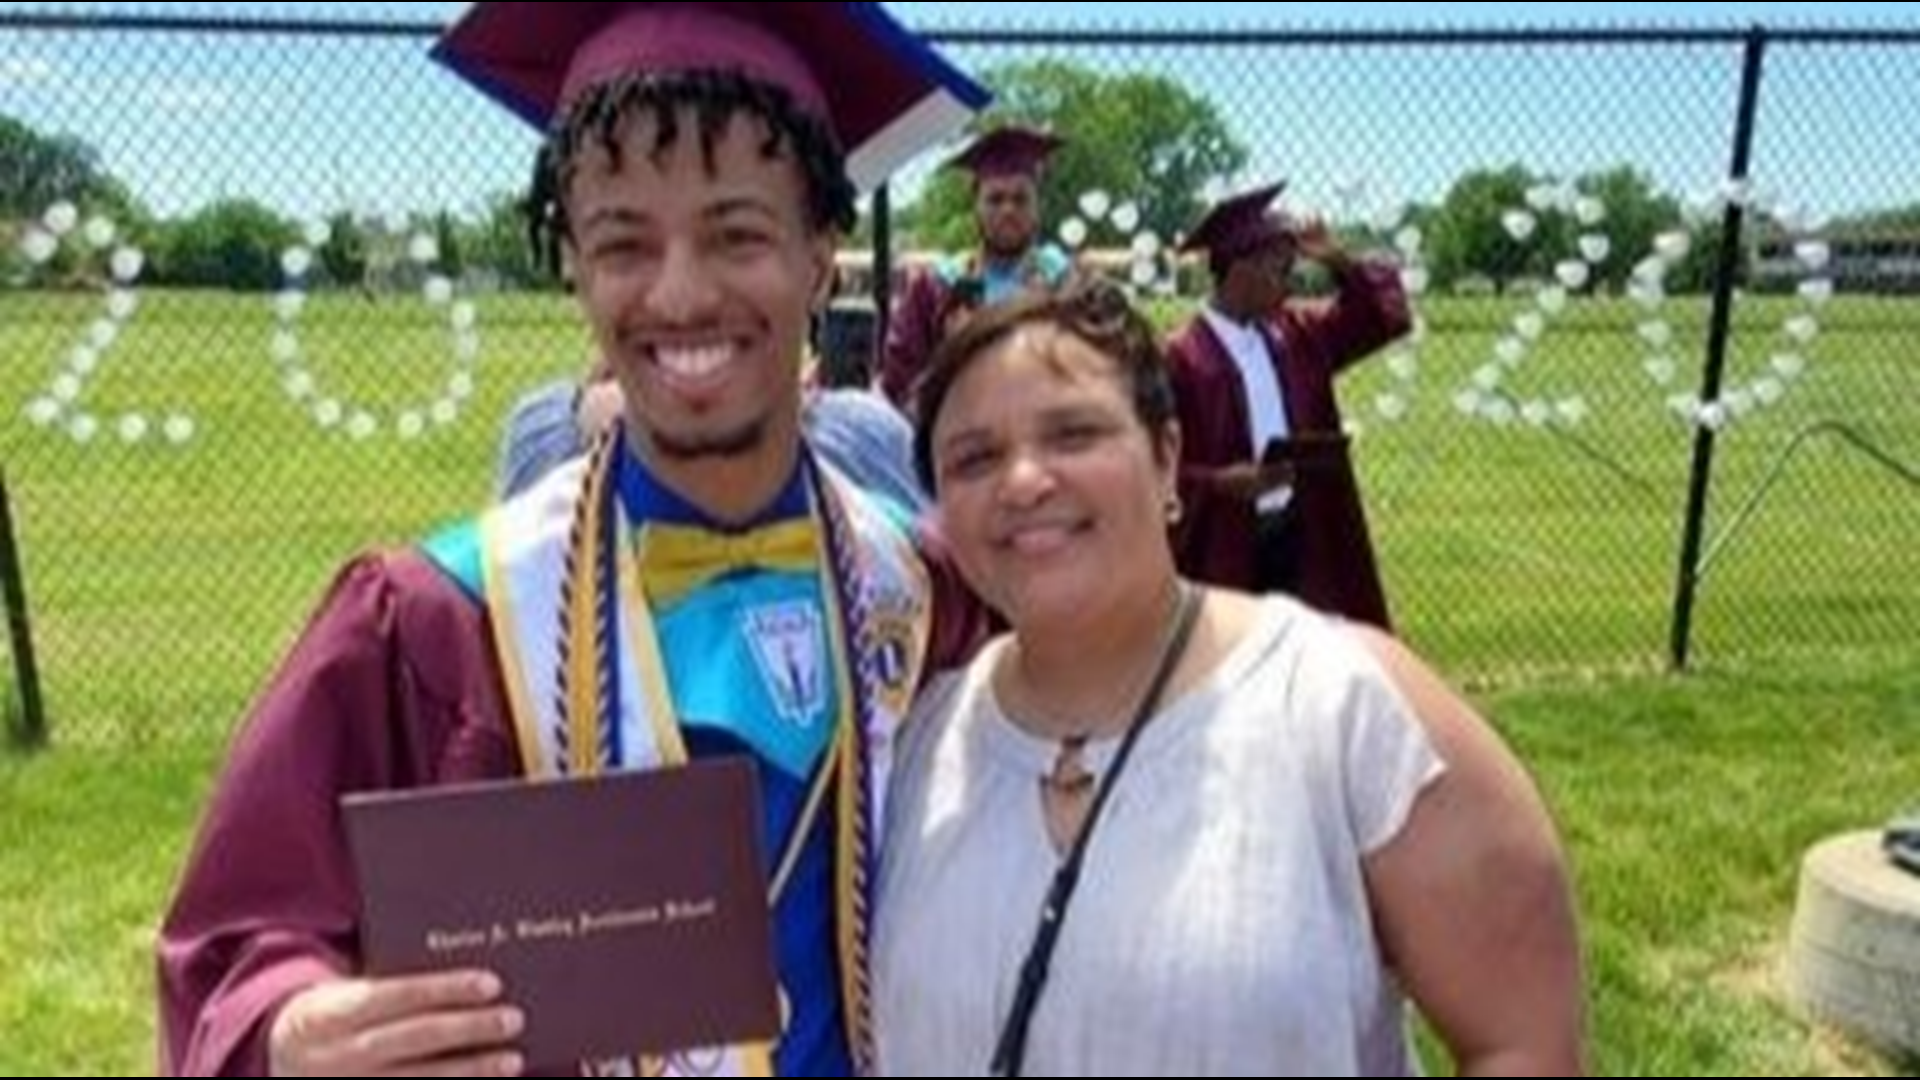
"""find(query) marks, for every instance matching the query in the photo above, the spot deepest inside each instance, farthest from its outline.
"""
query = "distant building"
(1878, 262)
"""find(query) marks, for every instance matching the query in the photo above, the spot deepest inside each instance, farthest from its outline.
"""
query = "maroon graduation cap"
(1238, 225)
(885, 93)
(1007, 151)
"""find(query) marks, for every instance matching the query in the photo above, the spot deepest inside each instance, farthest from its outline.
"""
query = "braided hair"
(599, 119)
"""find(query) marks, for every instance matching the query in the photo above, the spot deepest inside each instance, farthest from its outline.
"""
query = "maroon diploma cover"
(626, 913)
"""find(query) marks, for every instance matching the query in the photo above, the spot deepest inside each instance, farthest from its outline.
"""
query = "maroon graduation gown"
(915, 324)
(1214, 541)
(394, 683)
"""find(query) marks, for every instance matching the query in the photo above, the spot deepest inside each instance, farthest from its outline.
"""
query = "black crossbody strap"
(1010, 1049)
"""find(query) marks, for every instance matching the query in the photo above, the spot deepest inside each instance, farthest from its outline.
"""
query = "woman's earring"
(1173, 507)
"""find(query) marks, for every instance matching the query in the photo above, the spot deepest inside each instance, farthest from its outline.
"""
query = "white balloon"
(1536, 413)
(1415, 280)
(1498, 411)
(298, 385)
(1486, 378)
(1817, 291)
(1094, 204)
(285, 348)
(1815, 255)
(1519, 224)
(411, 425)
(1408, 240)
(178, 429)
(288, 304)
(121, 304)
(1126, 217)
(1142, 273)
(103, 333)
(1661, 369)
(463, 317)
(1391, 406)
(1147, 245)
(1788, 366)
(133, 428)
(317, 234)
(1572, 412)
(61, 218)
(1802, 329)
(82, 427)
(328, 412)
(83, 360)
(295, 262)
(44, 412)
(1712, 415)
(444, 412)
(460, 386)
(1467, 403)
(1595, 247)
(126, 264)
(1404, 366)
(100, 233)
(362, 426)
(1073, 232)
(39, 246)
(1529, 325)
(1656, 332)
(1673, 246)
(1553, 301)
(1589, 211)
(438, 290)
(1572, 273)
(1543, 197)
(423, 248)
(466, 347)
(1768, 390)
(1510, 350)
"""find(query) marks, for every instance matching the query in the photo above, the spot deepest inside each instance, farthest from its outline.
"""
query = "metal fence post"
(1720, 325)
(31, 730)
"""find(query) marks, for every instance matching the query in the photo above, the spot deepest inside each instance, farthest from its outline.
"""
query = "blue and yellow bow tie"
(677, 559)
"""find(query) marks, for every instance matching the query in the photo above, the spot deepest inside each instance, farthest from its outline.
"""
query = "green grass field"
(164, 579)
(1686, 804)
(1536, 565)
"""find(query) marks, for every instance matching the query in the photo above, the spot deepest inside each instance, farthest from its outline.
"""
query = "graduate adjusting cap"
(885, 93)
(1238, 225)
(1007, 151)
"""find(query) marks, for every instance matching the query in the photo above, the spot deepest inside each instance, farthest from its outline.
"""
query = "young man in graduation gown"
(1006, 166)
(1270, 501)
(699, 583)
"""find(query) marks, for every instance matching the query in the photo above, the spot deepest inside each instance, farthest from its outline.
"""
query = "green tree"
(38, 171)
(233, 244)
(498, 244)
(1468, 237)
(1139, 138)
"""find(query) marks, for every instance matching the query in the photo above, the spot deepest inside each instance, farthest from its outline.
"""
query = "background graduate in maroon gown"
(1241, 450)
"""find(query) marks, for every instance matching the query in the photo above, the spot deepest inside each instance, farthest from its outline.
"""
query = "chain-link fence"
(262, 303)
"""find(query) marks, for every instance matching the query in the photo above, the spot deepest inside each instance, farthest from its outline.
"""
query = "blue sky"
(187, 120)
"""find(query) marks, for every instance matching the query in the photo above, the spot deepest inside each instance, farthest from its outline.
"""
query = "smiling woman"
(1295, 827)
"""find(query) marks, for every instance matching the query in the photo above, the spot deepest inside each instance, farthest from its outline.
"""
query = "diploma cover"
(626, 912)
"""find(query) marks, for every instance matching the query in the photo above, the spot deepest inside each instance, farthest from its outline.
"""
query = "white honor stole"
(879, 614)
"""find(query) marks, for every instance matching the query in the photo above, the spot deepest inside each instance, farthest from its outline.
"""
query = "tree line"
(1142, 140)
